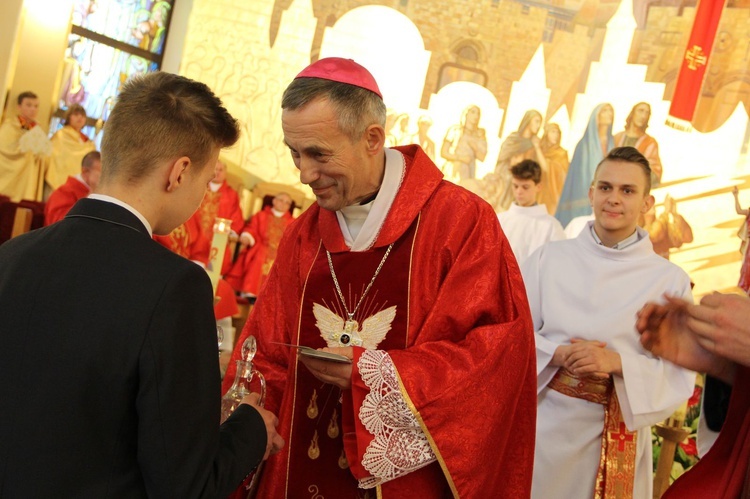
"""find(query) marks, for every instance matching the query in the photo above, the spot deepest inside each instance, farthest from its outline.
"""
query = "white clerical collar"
(110, 199)
(80, 179)
(361, 224)
(628, 241)
(277, 213)
(214, 186)
(535, 210)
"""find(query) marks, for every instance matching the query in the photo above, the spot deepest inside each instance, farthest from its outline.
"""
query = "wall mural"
(483, 85)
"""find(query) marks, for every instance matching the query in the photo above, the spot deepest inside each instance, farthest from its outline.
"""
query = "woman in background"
(69, 146)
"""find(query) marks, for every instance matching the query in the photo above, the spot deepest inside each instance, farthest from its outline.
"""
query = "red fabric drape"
(694, 63)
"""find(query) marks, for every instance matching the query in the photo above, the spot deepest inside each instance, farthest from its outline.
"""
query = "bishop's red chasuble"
(448, 314)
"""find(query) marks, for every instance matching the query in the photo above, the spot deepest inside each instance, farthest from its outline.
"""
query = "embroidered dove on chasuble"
(338, 332)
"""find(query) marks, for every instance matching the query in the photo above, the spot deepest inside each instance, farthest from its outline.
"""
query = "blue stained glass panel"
(93, 75)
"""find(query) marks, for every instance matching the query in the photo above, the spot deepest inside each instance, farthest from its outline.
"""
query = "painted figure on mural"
(597, 140)
(668, 230)
(390, 124)
(401, 130)
(557, 161)
(744, 281)
(464, 144)
(521, 144)
(635, 135)
(425, 142)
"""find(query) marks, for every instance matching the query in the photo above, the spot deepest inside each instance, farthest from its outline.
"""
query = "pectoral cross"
(350, 326)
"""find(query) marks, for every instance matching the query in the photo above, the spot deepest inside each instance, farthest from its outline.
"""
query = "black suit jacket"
(109, 373)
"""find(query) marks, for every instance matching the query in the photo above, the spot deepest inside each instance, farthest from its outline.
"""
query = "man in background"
(220, 201)
(260, 240)
(526, 224)
(24, 148)
(598, 389)
(75, 187)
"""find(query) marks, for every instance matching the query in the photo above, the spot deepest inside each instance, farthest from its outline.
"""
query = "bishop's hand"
(334, 373)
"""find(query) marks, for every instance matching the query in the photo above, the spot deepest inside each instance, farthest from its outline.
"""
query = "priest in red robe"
(188, 240)
(409, 278)
(76, 187)
(260, 239)
(220, 201)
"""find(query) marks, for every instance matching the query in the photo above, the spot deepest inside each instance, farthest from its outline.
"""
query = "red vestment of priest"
(461, 343)
(254, 264)
(188, 241)
(224, 203)
(63, 198)
(725, 469)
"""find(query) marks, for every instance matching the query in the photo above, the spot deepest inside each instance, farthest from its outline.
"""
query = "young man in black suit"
(109, 373)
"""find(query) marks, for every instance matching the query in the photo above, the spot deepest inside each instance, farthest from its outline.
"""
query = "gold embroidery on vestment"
(343, 461)
(333, 425)
(312, 407)
(313, 452)
(314, 490)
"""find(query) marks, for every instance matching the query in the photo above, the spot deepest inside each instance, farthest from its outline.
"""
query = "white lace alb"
(400, 446)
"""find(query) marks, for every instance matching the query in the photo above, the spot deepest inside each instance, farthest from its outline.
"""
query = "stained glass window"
(109, 41)
(139, 23)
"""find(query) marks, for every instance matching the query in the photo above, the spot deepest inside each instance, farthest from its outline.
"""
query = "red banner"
(694, 63)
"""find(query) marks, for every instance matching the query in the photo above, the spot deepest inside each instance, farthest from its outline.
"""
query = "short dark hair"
(90, 158)
(528, 169)
(628, 154)
(74, 109)
(25, 95)
(357, 108)
(161, 116)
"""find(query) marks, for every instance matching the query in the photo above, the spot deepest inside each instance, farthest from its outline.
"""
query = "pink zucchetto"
(342, 71)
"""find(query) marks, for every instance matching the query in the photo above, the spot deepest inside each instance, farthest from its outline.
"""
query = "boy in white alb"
(526, 224)
(598, 389)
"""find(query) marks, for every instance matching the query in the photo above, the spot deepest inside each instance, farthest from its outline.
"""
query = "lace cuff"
(399, 445)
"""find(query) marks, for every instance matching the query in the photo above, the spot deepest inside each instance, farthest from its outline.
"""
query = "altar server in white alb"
(526, 224)
(598, 389)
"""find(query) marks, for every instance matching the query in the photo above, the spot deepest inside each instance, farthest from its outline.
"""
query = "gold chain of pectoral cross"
(349, 324)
